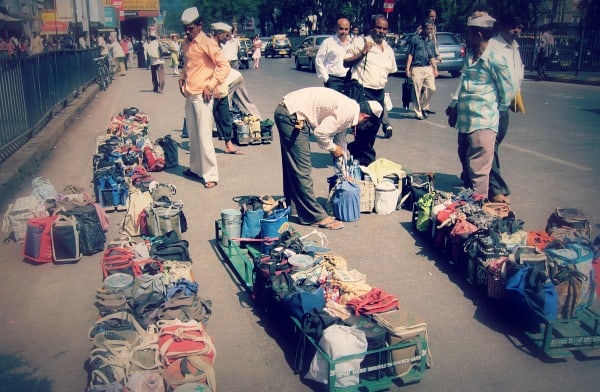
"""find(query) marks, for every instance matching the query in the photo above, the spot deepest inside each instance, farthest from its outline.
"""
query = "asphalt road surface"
(550, 159)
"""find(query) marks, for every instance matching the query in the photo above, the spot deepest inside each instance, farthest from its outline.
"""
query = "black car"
(452, 53)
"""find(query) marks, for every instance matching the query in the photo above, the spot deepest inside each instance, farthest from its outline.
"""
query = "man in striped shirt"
(486, 88)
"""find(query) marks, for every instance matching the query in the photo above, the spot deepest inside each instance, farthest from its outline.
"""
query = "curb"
(595, 81)
(19, 169)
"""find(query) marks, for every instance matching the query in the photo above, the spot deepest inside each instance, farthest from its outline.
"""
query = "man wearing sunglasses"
(205, 68)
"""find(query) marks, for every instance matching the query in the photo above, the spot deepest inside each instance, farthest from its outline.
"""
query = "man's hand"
(181, 83)
(207, 94)
(338, 152)
(452, 114)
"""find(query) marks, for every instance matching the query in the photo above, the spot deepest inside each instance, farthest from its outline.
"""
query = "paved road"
(550, 159)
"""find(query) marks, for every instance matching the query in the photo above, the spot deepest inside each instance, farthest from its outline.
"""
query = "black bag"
(171, 250)
(170, 148)
(415, 186)
(407, 88)
(65, 240)
(91, 234)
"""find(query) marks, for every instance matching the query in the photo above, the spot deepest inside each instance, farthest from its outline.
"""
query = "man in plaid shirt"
(486, 88)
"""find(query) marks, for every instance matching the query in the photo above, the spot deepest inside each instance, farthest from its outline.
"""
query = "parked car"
(451, 50)
(279, 45)
(245, 52)
(307, 51)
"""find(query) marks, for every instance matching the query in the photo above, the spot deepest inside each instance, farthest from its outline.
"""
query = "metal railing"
(575, 49)
(32, 87)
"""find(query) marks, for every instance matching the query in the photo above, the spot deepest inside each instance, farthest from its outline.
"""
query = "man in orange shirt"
(206, 67)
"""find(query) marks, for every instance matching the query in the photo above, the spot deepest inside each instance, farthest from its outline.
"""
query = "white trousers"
(199, 120)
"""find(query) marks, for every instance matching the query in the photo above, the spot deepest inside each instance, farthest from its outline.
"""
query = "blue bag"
(251, 223)
(303, 301)
(346, 201)
(271, 227)
(532, 293)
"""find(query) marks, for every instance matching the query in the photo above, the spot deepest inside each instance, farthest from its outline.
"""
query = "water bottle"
(356, 172)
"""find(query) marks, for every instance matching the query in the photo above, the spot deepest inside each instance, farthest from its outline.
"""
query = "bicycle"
(104, 74)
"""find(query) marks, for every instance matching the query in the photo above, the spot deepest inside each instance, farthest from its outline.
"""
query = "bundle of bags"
(151, 334)
(302, 279)
(545, 274)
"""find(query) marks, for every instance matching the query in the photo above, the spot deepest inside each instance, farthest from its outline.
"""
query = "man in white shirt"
(231, 49)
(509, 29)
(372, 60)
(326, 114)
(329, 62)
(157, 65)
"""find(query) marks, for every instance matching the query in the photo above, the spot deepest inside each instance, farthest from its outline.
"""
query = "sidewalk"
(587, 78)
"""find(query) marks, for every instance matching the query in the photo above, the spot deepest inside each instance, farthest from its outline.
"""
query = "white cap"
(371, 108)
(481, 19)
(220, 26)
(189, 15)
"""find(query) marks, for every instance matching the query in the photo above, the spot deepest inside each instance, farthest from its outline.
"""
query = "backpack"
(38, 240)
(64, 234)
(91, 234)
(170, 148)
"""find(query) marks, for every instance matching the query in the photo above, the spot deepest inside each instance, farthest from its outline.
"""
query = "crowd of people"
(354, 70)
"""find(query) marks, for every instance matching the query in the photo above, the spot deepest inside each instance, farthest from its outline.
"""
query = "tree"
(591, 9)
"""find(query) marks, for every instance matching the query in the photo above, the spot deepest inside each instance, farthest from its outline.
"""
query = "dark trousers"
(223, 118)
(337, 83)
(141, 60)
(158, 77)
(363, 146)
(497, 184)
(297, 167)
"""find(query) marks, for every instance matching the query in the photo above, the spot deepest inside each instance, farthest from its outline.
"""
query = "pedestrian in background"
(37, 46)
(125, 49)
(223, 120)
(130, 51)
(372, 60)
(231, 49)
(205, 68)
(546, 46)
(174, 53)
(421, 68)
(329, 61)
(157, 65)
(486, 88)
(140, 53)
(326, 114)
(256, 55)
(509, 29)
(118, 56)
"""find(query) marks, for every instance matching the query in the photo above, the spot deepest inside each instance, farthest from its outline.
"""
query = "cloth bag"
(338, 341)
(346, 201)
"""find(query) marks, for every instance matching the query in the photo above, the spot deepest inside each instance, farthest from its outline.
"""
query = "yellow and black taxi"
(279, 45)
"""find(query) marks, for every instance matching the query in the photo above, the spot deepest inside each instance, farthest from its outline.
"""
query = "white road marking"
(547, 157)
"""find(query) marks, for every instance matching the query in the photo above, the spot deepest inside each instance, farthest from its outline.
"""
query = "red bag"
(375, 301)
(38, 240)
(153, 161)
(117, 259)
(182, 339)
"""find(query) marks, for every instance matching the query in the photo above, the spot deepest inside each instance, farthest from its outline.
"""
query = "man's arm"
(356, 55)
(320, 61)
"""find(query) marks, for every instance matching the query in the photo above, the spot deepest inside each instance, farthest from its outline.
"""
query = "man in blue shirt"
(486, 88)
(422, 69)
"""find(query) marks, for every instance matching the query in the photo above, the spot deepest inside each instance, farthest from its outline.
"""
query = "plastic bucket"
(119, 282)
(243, 134)
(271, 227)
(386, 197)
(231, 222)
